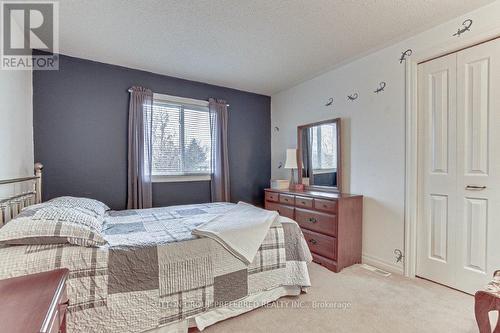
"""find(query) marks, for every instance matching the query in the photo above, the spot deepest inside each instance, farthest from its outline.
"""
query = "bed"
(153, 275)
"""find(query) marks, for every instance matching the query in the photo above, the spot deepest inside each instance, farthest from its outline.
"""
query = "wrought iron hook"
(352, 97)
(404, 55)
(381, 87)
(466, 27)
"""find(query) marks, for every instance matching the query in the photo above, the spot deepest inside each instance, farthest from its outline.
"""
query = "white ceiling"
(262, 46)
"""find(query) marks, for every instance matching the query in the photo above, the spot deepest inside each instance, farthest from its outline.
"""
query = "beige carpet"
(377, 304)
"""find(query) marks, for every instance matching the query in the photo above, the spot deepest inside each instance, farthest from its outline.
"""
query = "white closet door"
(436, 259)
(459, 168)
(478, 167)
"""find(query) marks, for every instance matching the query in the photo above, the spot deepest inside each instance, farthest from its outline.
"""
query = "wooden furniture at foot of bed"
(331, 223)
(488, 300)
(34, 303)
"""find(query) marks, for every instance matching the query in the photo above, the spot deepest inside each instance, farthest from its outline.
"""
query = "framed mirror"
(319, 159)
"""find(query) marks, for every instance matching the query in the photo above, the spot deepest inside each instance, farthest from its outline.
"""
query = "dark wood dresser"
(331, 223)
(34, 303)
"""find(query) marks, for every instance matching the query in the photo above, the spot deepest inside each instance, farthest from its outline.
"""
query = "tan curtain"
(139, 148)
(220, 160)
(307, 169)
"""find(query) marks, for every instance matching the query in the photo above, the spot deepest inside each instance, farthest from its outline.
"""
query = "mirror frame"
(300, 128)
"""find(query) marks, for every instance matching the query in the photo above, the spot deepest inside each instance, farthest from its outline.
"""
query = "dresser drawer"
(303, 202)
(321, 244)
(283, 210)
(325, 205)
(316, 221)
(287, 199)
(272, 196)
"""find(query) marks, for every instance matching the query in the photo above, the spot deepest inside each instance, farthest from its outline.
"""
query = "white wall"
(16, 126)
(373, 126)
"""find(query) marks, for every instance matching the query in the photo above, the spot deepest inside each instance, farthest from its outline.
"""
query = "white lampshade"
(291, 159)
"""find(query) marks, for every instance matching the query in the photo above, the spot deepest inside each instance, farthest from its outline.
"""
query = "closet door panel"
(437, 169)
(475, 99)
(478, 165)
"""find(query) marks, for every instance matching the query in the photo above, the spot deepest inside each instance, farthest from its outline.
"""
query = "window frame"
(319, 153)
(193, 177)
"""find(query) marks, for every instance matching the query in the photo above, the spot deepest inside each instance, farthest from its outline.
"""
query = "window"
(181, 139)
(324, 148)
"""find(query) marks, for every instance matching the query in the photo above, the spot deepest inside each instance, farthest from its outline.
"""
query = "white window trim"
(179, 100)
(322, 171)
(180, 178)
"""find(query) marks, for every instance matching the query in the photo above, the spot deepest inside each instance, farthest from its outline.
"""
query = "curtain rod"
(130, 90)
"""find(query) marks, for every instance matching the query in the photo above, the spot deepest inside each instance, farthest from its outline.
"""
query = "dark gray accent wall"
(80, 115)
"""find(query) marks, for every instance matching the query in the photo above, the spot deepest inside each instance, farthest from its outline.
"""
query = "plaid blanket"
(154, 272)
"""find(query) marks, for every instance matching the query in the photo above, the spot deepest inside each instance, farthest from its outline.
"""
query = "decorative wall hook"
(352, 97)
(404, 55)
(381, 87)
(280, 165)
(399, 255)
(276, 129)
(330, 101)
(466, 27)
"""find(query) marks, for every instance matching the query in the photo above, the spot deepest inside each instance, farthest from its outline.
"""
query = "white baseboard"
(382, 264)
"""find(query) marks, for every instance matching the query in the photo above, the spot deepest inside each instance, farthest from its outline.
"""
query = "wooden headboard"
(27, 196)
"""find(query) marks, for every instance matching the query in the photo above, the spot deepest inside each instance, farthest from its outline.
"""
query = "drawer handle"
(313, 241)
(475, 188)
(325, 206)
(312, 220)
(303, 202)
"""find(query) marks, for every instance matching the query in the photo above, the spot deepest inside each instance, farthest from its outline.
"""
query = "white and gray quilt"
(154, 272)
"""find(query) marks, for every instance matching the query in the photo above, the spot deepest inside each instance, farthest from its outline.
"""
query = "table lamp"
(291, 163)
